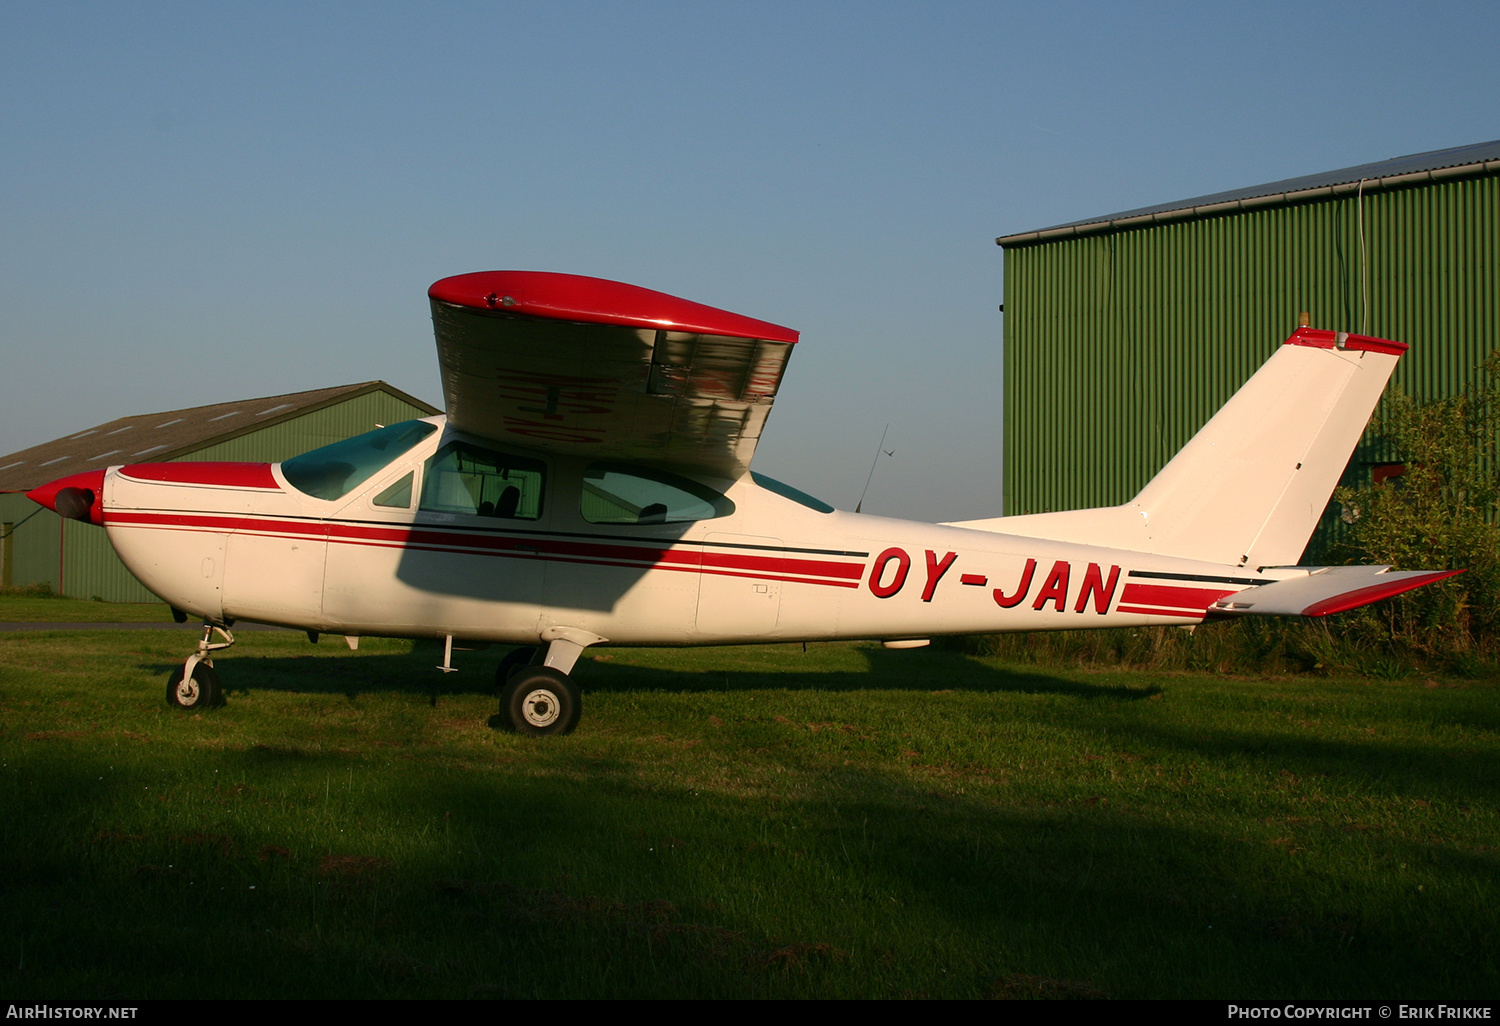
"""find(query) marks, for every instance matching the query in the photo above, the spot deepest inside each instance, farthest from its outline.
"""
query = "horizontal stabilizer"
(1326, 590)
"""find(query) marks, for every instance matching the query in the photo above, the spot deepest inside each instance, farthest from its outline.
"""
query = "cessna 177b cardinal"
(591, 485)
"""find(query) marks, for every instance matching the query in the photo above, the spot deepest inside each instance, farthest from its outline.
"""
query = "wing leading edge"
(584, 366)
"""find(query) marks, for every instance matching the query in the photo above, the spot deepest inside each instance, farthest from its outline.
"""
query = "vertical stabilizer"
(1248, 488)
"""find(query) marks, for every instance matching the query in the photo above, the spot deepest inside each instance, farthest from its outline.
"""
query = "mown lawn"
(752, 822)
(29, 606)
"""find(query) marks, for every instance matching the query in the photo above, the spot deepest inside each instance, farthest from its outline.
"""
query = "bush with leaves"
(1441, 514)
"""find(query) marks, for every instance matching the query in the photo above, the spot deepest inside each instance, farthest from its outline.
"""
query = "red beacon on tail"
(591, 485)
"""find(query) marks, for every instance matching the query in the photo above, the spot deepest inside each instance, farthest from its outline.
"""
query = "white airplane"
(591, 485)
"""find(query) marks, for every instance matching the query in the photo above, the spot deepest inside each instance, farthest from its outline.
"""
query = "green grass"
(1253, 645)
(752, 822)
(42, 605)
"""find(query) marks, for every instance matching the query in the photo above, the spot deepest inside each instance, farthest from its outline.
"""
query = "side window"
(616, 494)
(466, 479)
(397, 496)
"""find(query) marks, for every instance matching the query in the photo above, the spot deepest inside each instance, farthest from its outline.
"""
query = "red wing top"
(585, 366)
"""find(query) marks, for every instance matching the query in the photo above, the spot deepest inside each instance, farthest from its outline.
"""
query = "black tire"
(539, 701)
(202, 691)
(512, 662)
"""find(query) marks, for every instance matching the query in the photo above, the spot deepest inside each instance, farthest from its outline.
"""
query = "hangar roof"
(159, 437)
(1477, 158)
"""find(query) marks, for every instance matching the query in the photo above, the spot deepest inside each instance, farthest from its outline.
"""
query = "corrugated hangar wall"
(1119, 345)
(76, 559)
(320, 427)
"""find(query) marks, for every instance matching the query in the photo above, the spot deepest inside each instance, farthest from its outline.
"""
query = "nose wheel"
(540, 700)
(195, 684)
(195, 687)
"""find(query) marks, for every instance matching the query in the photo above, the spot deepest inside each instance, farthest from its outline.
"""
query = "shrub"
(1441, 514)
(39, 590)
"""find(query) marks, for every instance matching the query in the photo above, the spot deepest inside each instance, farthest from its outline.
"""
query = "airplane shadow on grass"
(1062, 892)
(1064, 885)
(1407, 765)
(617, 670)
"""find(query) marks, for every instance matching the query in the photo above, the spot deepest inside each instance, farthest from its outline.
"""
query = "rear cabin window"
(334, 471)
(474, 481)
(615, 494)
(786, 491)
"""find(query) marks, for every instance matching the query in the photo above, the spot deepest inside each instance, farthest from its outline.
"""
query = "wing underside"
(527, 362)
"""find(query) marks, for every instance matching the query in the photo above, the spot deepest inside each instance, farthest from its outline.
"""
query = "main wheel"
(540, 700)
(200, 691)
(512, 662)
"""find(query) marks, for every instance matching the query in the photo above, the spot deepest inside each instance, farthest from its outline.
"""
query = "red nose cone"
(77, 497)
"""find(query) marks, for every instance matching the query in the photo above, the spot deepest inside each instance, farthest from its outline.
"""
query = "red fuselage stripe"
(808, 571)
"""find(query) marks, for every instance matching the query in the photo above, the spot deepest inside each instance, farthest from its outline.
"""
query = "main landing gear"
(195, 685)
(537, 696)
(539, 700)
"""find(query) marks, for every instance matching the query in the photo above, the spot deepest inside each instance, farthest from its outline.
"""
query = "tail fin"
(1248, 488)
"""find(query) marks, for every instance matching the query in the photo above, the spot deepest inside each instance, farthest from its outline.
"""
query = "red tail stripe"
(1321, 339)
(1176, 597)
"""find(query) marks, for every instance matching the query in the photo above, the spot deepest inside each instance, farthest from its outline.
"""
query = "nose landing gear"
(195, 685)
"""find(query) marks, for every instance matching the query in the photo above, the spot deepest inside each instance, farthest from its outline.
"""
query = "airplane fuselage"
(399, 556)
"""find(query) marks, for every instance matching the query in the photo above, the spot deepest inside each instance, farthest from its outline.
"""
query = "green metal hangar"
(1124, 334)
(39, 547)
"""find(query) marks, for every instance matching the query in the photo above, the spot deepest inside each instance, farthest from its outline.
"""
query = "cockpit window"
(396, 496)
(615, 494)
(334, 471)
(786, 491)
(467, 479)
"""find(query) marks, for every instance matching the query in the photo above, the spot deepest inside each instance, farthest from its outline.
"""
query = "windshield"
(334, 471)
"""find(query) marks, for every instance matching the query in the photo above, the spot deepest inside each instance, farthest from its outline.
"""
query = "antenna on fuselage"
(878, 450)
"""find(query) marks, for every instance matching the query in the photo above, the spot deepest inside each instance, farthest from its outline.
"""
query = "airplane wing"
(585, 366)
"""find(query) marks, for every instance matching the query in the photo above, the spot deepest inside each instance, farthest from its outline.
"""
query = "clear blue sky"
(205, 202)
